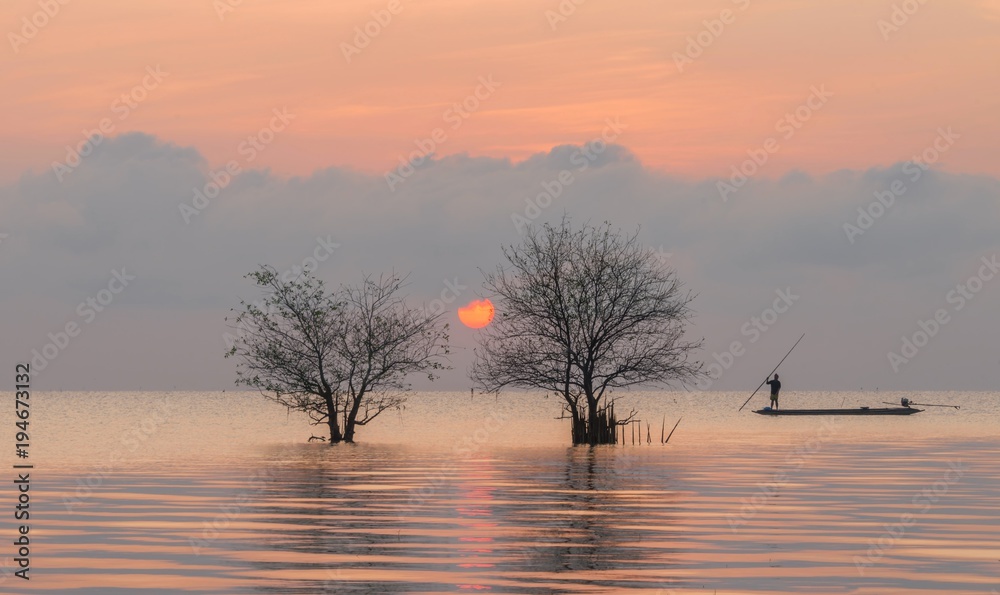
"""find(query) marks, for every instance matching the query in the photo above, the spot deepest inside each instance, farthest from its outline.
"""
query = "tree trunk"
(593, 423)
(352, 416)
(579, 429)
(595, 426)
(331, 418)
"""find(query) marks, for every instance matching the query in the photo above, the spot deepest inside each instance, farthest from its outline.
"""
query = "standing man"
(775, 387)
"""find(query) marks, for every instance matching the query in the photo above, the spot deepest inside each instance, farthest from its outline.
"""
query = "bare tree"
(341, 358)
(286, 346)
(382, 343)
(584, 312)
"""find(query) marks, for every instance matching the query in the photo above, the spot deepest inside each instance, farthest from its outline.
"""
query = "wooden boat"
(855, 411)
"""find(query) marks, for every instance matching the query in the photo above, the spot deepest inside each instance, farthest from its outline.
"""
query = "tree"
(584, 312)
(381, 343)
(285, 345)
(342, 358)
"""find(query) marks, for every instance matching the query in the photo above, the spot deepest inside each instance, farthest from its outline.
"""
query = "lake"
(190, 492)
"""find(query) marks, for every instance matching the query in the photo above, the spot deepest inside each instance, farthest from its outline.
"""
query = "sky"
(825, 168)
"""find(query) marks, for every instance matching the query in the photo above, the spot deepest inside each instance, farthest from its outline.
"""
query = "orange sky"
(606, 60)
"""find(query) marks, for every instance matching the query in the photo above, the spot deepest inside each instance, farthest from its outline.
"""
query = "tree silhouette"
(583, 312)
(342, 358)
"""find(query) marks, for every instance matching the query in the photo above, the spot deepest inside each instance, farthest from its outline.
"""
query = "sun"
(476, 314)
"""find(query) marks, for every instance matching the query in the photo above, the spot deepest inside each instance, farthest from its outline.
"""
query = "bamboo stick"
(672, 431)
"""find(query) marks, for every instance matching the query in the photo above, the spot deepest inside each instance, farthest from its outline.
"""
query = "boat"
(854, 411)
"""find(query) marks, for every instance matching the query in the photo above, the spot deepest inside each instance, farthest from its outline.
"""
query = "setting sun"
(477, 314)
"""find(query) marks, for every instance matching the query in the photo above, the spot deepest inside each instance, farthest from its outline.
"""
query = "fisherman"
(775, 387)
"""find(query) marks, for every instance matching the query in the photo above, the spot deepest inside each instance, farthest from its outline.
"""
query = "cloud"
(121, 208)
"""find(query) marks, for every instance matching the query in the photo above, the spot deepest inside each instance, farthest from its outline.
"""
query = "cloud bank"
(869, 256)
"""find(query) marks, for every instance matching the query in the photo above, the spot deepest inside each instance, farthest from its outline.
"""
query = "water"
(220, 493)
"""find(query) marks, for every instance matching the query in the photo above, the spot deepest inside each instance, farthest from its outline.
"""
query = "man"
(775, 387)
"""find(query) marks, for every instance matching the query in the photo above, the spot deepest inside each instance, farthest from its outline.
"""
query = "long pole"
(927, 405)
(773, 371)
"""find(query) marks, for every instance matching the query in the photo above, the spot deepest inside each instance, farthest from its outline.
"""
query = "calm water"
(219, 493)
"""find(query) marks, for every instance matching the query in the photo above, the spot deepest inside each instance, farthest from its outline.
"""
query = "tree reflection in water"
(385, 520)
